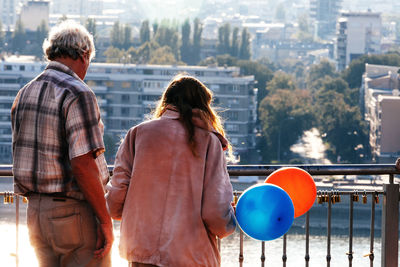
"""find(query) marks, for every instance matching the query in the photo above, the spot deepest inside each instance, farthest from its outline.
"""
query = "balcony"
(343, 207)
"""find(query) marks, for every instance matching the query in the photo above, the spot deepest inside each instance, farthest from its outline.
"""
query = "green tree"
(223, 45)
(168, 36)
(145, 32)
(90, 25)
(155, 28)
(280, 13)
(114, 55)
(284, 116)
(116, 35)
(304, 33)
(318, 71)
(341, 126)
(235, 42)
(186, 52)
(2, 38)
(126, 36)
(262, 74)
(353, 74)
(244, 51)
(197, 32)
(19, 37)
(163, 56)
(281, 80)
(41, 33)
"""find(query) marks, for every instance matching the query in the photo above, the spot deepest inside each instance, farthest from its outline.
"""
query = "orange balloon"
(299, 185)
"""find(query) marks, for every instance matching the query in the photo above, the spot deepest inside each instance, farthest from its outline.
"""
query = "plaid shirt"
(55, 118)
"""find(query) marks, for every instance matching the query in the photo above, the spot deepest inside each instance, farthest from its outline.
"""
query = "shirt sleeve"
(217, 211)
(121, 178)
(84, 128)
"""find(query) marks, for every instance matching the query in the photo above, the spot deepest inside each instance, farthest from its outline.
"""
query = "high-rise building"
(8, 13)
(358, 33)
(324, 13)
(33, 13)
(127, 93)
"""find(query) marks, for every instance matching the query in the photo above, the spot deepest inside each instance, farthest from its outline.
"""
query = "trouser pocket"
(66, 232)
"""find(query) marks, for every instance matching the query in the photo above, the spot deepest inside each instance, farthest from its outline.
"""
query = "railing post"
(390, 225)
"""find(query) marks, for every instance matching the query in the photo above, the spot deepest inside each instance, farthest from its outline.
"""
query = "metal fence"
(388, 196)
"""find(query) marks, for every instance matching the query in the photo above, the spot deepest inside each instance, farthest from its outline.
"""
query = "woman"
(170, 186)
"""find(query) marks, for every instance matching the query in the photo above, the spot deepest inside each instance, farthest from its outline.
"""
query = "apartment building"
(380, 88)
(358, 33)
(127, 93)
(324, 14)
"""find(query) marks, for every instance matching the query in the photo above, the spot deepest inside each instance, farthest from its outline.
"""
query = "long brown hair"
(186, 93)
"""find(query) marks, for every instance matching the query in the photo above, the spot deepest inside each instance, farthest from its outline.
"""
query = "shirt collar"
(55, 65)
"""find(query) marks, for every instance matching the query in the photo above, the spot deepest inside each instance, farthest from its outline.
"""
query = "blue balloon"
(265, 212)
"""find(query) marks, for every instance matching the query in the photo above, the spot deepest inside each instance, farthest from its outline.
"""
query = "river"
(310, 147)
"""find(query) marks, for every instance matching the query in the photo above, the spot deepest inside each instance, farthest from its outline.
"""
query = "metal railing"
(390, 208)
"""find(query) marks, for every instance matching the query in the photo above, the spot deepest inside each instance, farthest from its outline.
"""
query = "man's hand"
(105, 238)
(398, 164)
(87, 176)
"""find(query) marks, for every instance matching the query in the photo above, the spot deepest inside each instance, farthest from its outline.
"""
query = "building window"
(7, 67)
(22, 67)
(125, 98)
(148, 72)
(109, 84)
(125, 111)
(232, 115)
(126, 85)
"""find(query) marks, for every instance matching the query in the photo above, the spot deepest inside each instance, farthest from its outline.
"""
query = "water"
(229, 251)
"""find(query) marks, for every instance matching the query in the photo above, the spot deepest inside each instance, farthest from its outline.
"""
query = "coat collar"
(172, 113)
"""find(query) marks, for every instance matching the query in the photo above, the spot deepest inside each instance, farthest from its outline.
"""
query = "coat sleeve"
(121, 175)
(217, 212)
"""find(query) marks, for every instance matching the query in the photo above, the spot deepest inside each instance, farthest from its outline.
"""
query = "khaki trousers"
(63, 232)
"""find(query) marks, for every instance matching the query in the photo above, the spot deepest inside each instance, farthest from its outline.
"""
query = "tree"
(197, 32)
(19, 37)
(163, 56)
(280, 13)
(281, 80)
(126, 36)
(223, 45)
(168, 36)
(41, 33)
(145, 32)
(114, 54)
(244, 52)
(262, 74)
(155, 28)
(186, 52)
(353, 74)
(90, 25)
(321, 70)
(2, 38)
(341, 126)
(116, 35)
(303, 33)
(284, 116)
(235, 43)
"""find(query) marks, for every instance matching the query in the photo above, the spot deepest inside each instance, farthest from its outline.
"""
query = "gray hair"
(68, 39)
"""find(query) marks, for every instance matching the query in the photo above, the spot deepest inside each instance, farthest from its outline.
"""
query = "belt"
(56, 196)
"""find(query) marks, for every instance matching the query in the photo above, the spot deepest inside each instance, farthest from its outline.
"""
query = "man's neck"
(76, 65)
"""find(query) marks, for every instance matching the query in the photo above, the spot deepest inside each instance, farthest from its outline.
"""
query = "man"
(398, 164)
(58, 156)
